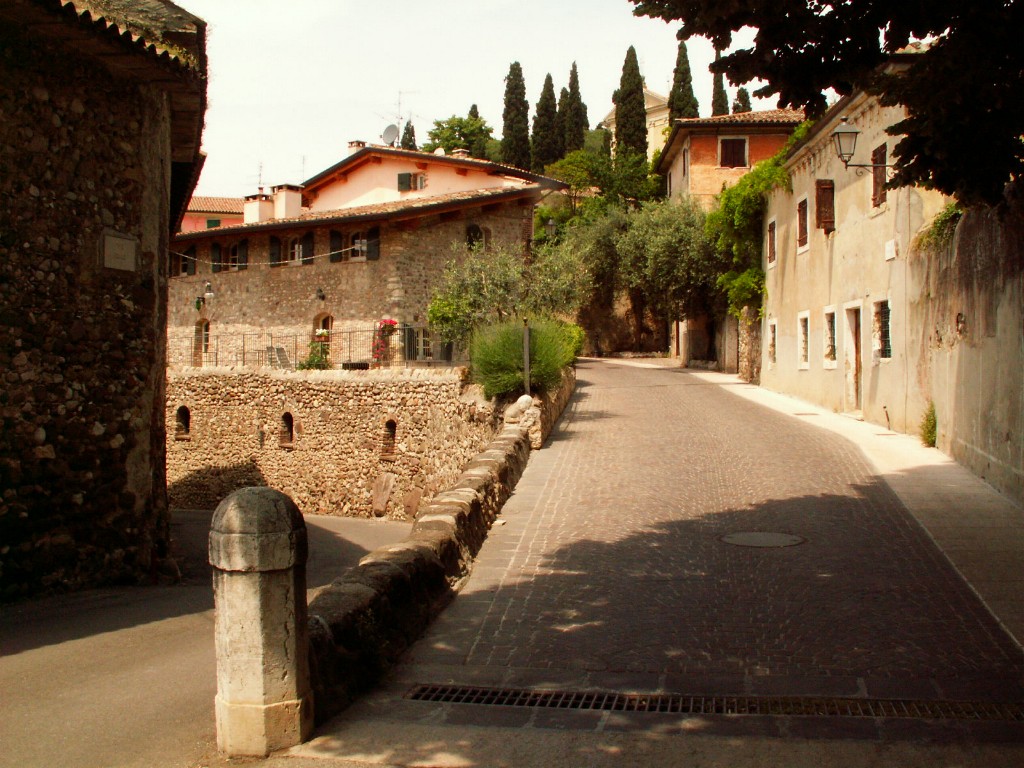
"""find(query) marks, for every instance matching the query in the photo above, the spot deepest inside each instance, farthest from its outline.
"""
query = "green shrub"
(496, 356)
(576, 337)
(929, 426)
(317, 358)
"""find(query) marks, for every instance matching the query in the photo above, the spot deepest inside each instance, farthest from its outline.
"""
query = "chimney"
(257, 208)
(287, 201)
(355, 146)
(460, 153)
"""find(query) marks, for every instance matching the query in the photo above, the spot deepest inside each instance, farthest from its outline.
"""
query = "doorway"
(852, 359)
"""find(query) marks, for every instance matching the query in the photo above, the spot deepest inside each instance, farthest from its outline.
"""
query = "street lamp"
(551, 228)
(844, 139)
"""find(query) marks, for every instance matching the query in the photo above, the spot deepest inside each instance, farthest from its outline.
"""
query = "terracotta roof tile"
(378, 211)
(762, 117)
(201, 204)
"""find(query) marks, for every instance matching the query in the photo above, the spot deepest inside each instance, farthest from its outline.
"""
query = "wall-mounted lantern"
(844, 139)
(207, 295)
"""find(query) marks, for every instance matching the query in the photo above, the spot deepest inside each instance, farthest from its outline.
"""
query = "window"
(732, 153)
(287, 434)
(825, 205)
(295, 251)
(238, 256)
(275, 252)
(801, 224)
(477, 235)
(182, 424)
(216, 257)
(411, 181)
(387, 443)
(201, 343)
(181, 263)
(338, 252)
(357, 247)
(770, 243)
(878, 176)
(830, 338)
(880, 331)
(686, 162)
(212, 223)
(803, 331)
(773, 338)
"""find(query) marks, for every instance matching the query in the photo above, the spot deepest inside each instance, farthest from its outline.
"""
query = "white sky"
(291, 83)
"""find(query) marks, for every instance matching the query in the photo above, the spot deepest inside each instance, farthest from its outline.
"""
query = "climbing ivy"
(736, 222)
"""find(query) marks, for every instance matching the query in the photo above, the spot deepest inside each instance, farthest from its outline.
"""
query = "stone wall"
(84, 157)
(340, 457)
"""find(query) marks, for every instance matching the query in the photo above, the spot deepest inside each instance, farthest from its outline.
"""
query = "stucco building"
(102, 106)
(363, 241)
(860, 317)
(704, 154)
(211, 212)
(657, 109)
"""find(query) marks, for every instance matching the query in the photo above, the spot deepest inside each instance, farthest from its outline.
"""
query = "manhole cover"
(762, 539)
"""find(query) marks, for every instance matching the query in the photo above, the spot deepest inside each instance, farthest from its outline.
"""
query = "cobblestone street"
(610, 563)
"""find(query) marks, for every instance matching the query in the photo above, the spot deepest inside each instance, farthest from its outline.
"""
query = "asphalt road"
(126, 677)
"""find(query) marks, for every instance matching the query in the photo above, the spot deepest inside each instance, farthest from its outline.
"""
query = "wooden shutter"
(307, 248)
(337, 246)
(404, 182)
(734, 153)
(825, 205)
(771, 242)
(373, 244)
(190, 260)
(801, 223)
(878, 176)
(275, 252)
(215, 256)
(243, 254)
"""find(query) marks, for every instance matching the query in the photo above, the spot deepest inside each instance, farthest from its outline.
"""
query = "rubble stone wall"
(356, 443)
(84, 156)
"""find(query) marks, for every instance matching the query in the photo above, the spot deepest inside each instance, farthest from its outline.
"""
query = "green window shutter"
(337, 244)
(215, 256)
(190, 260)
(373, 244)
(243, 254)
(307, 248)
(404, 182)
(275, 252)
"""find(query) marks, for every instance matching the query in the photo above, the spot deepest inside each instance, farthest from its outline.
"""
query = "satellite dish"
(390, 134)
(439, 151)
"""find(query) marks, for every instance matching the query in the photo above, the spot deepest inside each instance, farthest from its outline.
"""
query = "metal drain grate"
(671, 703)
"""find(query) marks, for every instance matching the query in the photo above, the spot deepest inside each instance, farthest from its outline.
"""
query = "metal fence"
(400, 346)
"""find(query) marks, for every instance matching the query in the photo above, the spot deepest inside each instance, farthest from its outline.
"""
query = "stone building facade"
(99, 151)
(366, 443)
(332, 284)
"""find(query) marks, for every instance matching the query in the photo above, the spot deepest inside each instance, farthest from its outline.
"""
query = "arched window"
(287, 436)
(387, 445)
(182, 423)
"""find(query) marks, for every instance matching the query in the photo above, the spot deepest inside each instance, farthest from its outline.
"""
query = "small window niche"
(183, 424)
(286, 438)
(388, 441)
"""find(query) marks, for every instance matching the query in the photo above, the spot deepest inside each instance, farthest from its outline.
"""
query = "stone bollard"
(258, 553)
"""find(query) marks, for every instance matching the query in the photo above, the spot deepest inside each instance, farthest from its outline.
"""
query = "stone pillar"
(258, 553)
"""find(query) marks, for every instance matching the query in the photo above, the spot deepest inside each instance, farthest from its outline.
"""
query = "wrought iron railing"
(399, 346)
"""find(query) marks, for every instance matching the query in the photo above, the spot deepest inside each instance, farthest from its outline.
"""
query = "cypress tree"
(543, 144)
(478, 133)
(560, 115)
(630, 108)
(719, 96)
(408, 137)
(515, 133)
(681, 101)
(576, 122)
(742, 102)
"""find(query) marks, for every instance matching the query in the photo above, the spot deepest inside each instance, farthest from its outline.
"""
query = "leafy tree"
(630, 108)
(488, 285)
(666, 257)
(471, 133)
(408, 137)
(742, 101)
(598, 142)
(580, 170)
(544, 142)
(681, 101)
(964, 93)
(515, 141)
(576, 122)
(719, 96)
